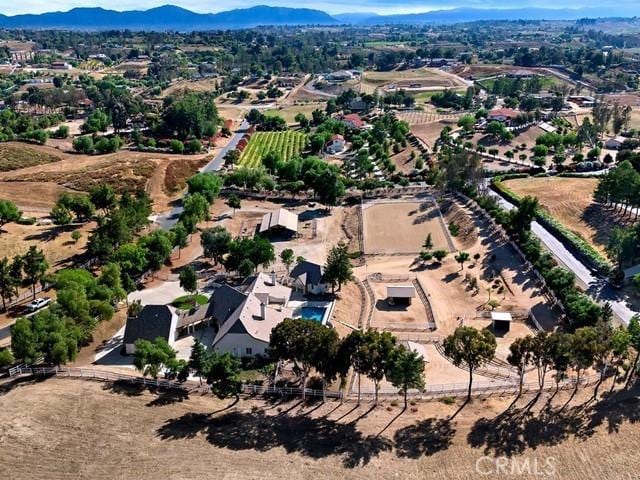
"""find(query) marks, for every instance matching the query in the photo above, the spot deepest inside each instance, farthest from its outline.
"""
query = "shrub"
(193, 146)
(176, 146)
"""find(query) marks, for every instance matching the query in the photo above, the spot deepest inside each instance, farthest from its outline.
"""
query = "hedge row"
(572, 241)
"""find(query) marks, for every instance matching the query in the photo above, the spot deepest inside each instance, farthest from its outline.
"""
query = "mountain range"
(170, 17)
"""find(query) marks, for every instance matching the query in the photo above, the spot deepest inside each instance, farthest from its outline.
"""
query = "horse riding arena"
(397, 227)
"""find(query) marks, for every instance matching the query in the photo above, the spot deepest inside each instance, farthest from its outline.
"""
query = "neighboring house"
(153, 321)
(614, 143)
(353, 121)
(279, 221)
(358, 105)
(308, 277)
(505, 115)
(60, 66)
(335, 145)
(339, 76)
(254, 312)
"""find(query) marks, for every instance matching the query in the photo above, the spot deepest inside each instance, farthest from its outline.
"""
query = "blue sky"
(380, 6)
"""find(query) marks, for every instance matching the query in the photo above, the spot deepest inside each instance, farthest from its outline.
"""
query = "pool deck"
(297, 305)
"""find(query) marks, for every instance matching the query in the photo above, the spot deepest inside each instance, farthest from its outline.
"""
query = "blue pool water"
(313, 313)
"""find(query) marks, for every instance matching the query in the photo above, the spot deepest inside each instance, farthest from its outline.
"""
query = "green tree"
(584, 348)
(199, 359)
(634, 333)
(377, 352)
(223, 375)
(470, 348)
(34, 266)
(325, 360)
(6, 357)
(207, 184)
(76, 235)
(8, 213)
(233, 201)
(287, 257)
(296, 340)
(158, 248)
(215, 243)
(83, 144)
(180, 236)
(440, 255)
(61, 215)
(461, 258)
(189, 281)
(150, 357)
(338, 269)
(406, 371)
(520, 352)
(8, 282)
(428, 243)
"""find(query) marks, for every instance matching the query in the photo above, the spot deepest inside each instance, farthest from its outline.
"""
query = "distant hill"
(167, 17)
(356, 17)
(170, 17)
(462, 15)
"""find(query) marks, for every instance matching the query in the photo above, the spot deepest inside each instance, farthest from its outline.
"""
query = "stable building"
(400, 294)
(501, 322)
(308, 277)
(279, 221)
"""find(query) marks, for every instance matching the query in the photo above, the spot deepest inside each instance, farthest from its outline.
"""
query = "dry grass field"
(79, 429)
(570, 200)
(430, 132)
(14, 156)
(401, 227)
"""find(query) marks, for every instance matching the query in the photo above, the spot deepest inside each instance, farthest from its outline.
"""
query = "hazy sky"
(9, 7)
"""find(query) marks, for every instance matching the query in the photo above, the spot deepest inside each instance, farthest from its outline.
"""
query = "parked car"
(38, 303)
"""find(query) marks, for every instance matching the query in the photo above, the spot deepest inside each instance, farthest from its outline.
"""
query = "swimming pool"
(313, 313)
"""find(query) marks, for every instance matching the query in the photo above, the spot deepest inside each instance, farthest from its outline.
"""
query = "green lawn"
(289, 143)
(186, 301)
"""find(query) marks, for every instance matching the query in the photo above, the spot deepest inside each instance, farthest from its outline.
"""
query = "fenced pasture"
(287, 143)
(401, 227)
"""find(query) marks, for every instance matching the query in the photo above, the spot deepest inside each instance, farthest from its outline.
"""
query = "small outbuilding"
(308, 277)
(501, 321)
(335, 145)
(614, 143)
(153, 321)
(400, 294)
(279, 221)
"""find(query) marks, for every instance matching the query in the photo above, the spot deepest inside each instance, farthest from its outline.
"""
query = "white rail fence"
(430, 393)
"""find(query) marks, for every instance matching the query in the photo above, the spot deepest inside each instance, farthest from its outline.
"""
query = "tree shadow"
(426, 437)
(168, 397)
(312, 437)
(516, 430)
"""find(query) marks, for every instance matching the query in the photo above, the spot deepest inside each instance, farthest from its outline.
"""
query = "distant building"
(280, 220)
(340, 76)
(61, 66)
(614, 143)
(353, 121)
(335, 145)
(505, 115)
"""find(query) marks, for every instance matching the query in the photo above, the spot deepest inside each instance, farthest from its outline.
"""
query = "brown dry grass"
(79, 429)
(570, 200)
(177, 173)
(14, 156)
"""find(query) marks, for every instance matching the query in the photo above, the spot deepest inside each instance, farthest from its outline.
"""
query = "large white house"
(246, 316)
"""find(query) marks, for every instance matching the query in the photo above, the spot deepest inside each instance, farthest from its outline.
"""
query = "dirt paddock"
(401, 227)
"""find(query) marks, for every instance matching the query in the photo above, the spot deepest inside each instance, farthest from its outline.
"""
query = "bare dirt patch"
(453, 214)
(33, 198)
(430, 132)
(401, 227)
(178, 172)
(14, 156)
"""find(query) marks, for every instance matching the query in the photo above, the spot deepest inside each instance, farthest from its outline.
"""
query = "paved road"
(168, 219)
(597, 287)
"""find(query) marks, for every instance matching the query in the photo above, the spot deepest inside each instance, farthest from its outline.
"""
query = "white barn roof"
(401, 291)
(279, 218)
(501, 316)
